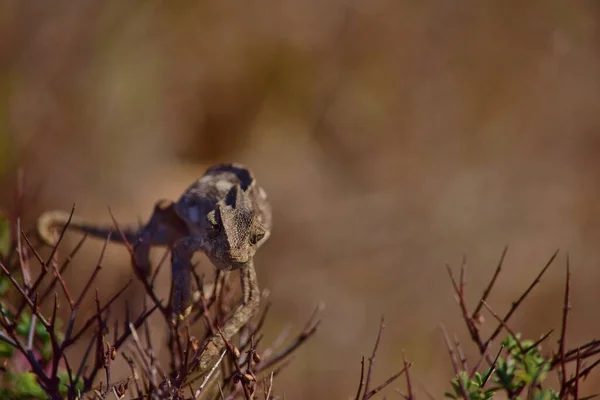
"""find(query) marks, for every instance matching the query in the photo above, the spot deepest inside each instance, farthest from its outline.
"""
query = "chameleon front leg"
(241, 316)
(181, 274)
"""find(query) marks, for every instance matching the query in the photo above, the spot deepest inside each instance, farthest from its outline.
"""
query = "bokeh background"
(392, 138)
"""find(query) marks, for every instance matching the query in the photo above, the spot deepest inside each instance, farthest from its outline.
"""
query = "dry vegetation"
(34, 342)
(392, 137)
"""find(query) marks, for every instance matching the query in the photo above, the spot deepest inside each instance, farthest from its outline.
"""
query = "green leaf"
(3, 285)
(65, 383)
(5, 237)
(46, 351)
(27, 386)
(41, 332)
(6, 350)
(24, 324)
(478, 379)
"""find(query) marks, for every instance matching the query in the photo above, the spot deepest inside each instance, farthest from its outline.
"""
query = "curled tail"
(50, 223)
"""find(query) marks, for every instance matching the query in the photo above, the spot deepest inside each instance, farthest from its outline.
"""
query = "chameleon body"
(224, 214)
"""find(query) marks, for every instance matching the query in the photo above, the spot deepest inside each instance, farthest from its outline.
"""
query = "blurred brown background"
(392, 138)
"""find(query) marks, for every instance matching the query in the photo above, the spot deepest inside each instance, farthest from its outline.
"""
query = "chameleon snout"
(232, 259)
(241, 256)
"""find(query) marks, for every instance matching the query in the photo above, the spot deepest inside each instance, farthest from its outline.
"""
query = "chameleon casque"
(224, 214)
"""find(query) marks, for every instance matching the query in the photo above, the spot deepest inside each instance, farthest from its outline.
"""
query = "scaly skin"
(224, 214)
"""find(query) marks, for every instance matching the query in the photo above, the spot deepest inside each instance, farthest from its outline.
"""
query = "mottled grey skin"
(225, 214)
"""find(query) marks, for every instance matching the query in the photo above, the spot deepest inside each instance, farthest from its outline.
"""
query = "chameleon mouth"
(230, 260)
(238, 261)
(229, 265)
(239, 255)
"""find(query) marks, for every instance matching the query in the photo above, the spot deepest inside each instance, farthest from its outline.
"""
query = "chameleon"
(225, 214)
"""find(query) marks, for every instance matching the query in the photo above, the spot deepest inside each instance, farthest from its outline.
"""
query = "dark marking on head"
(243, 174)
(233, 198)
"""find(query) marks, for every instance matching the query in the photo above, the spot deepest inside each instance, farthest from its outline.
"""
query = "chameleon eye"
(216, 227)
(214, 232)
(256, 237)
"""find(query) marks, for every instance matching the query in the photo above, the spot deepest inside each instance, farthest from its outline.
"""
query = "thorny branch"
(92, 375)
(561, 357)
(235, 375)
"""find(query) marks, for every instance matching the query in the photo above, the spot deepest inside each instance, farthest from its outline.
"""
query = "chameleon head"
(235, 230)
